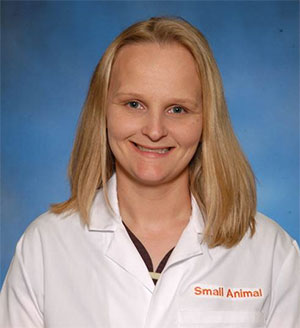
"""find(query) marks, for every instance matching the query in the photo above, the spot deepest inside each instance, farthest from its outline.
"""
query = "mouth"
(153, 150)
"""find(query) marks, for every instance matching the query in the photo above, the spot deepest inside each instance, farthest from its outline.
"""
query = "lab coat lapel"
(123, 252)
(120, 248)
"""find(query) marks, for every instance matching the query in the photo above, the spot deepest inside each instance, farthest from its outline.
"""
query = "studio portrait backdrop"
(49, 52)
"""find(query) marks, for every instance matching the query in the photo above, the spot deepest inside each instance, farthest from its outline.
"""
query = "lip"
(151, 155)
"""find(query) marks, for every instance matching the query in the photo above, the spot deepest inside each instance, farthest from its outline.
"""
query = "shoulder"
(47, 228)
(271, 232)
(49, 222)
(271, 242)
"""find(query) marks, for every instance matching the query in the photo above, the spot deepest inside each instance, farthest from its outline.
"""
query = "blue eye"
(133, 104)
(177, 109)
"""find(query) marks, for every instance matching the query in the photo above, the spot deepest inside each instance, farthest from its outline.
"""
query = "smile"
(160, 150)
(153, 150)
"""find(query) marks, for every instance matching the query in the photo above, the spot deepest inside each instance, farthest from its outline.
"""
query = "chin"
(151, 179)
(156, 178)
(152, 176)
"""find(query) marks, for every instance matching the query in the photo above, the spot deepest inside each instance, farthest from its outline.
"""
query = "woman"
(161, 227)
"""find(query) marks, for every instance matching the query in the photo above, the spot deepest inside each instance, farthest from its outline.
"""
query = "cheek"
(191, 134)
(112, 128)
(119, 127)
(119, 131)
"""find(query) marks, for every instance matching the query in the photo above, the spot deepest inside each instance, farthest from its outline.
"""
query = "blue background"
(50, 49)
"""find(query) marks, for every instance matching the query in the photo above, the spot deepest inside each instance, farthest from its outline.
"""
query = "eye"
(177, 110)
(133, 104)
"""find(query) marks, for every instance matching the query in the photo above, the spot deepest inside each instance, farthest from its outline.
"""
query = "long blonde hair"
(221, 179)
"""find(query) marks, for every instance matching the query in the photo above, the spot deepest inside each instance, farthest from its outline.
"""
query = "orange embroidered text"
(233, 293)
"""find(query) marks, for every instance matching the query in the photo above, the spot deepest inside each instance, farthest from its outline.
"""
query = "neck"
(154, 207)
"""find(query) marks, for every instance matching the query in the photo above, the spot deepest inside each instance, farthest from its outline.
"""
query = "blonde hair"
(221, 179)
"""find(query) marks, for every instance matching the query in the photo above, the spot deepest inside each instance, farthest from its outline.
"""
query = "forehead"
(149, 66)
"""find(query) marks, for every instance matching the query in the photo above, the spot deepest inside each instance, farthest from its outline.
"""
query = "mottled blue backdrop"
(49, 51)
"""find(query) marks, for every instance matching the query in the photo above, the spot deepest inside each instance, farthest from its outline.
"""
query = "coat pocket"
(218, 319)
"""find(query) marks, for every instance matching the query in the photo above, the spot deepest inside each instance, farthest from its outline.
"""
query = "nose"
(154, 126)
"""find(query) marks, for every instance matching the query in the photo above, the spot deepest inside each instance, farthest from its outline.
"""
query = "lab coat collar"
(102, 218)
(197, 220)
(197, 217)
(190, 243)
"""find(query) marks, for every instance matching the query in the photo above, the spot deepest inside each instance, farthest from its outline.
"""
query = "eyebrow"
(174, 100)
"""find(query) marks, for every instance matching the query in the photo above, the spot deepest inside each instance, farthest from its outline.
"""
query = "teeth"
(159, 151)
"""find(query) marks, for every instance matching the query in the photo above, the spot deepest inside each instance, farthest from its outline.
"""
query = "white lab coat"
(64, 275)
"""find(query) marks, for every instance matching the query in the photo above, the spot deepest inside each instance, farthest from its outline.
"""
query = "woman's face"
(154, 116)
